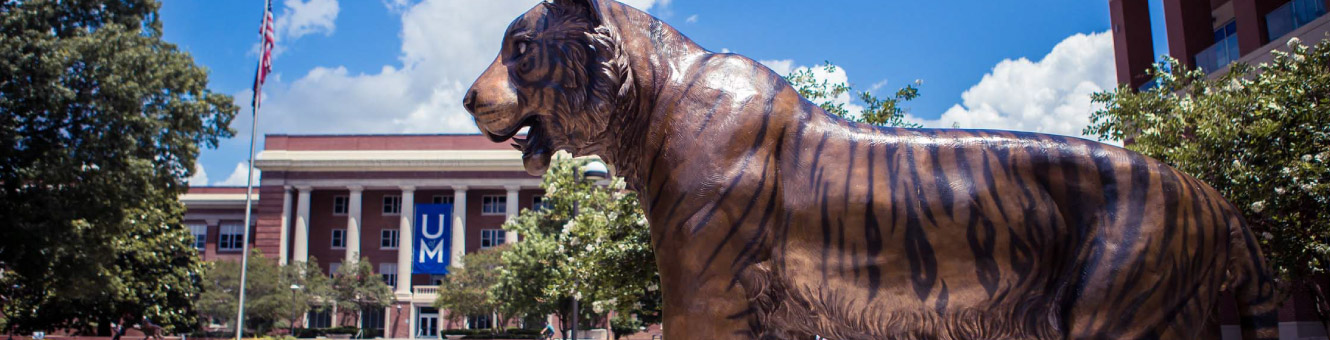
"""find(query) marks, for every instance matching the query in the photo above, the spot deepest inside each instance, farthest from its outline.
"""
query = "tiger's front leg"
(701, 305)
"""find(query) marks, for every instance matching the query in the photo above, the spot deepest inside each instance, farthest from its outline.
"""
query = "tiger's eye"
(521, 48)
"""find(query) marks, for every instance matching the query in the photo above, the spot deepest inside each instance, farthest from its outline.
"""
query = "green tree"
(465, 291)
(313, 292)
(1260, 135)
(591, 242)
(268, 294)
(876, 111)
(100, 122)
(359, 289)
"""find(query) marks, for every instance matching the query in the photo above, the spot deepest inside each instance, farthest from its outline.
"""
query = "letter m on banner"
(433, 239)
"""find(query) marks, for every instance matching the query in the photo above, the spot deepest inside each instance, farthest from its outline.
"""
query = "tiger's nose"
(469, 102)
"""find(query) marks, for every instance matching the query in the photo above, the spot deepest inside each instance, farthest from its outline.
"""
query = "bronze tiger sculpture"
(772, 219)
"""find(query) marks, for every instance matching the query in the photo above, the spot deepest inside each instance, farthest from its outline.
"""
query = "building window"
(389, 272)
(493, 205)
(491, 237)
(1290, 16)
(200, 232)
(1223, 52)
(339, 238)
(340, 204)
(392, 204)
(232, 236)
(319, 319)
(539, 203)
(372, 319)
(388, 239)
(332, 269)
(479, 322)
(442, 199)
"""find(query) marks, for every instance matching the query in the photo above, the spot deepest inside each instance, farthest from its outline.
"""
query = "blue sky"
(400, 66)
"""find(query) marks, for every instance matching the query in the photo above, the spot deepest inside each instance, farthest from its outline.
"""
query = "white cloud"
(659, 8)
(782, 67)
(397, 6)
(1051, 95)
(646, 4)
(200, 177)
(691, 19)
(305, 17)
(877, 86)
(237, 177)
(446, 44)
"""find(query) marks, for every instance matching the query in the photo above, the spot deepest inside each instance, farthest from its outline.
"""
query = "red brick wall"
(410, 175)
(267, 215)
(1190, 29)
(321, 223)
(381, 142)
(476, 221)
(1133, 44)
(372, 221)
(210, 251)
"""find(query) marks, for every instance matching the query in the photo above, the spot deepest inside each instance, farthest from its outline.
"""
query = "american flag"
(269, 35)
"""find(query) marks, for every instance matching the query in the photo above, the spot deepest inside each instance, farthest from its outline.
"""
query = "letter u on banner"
(433, 239)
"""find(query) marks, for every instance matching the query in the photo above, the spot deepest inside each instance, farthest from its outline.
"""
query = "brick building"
(335, 197)
(1212, 34)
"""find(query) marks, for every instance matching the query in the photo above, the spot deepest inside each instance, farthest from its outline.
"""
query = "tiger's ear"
(588, 9)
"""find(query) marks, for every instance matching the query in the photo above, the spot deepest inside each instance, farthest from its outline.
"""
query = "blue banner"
(433, 239)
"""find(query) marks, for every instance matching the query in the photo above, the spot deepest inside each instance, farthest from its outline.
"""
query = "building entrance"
(427, 323)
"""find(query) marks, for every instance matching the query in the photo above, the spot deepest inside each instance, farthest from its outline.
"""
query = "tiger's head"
(560, 73)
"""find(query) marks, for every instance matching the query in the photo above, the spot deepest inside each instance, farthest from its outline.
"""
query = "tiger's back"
(994, 234)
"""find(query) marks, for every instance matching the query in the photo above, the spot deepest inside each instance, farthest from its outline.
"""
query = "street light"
(295, 312)
(593, 171)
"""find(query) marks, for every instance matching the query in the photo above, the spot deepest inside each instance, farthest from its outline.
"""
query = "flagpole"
(244, 258)
(265, 41)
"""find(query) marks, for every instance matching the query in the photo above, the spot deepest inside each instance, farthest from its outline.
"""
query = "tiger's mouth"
(535, 148)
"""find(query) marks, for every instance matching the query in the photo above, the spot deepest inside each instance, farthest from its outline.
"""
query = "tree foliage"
(1260, 135)
(876, 111)
(358, 289)
(465, 291)
(591, 242)
(268, 294)
(100, 122)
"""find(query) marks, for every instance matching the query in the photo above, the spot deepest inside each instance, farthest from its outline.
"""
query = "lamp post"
(593, 171)
(295, 310)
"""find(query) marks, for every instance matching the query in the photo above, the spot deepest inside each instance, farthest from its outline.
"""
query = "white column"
(511, 236)
(459, 225)
(283, 249)
(302, 225)
(353, 224)
(404, 228)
